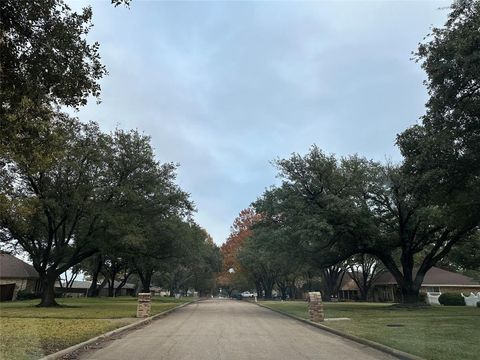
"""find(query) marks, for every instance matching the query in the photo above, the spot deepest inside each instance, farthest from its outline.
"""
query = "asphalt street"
(231, 330)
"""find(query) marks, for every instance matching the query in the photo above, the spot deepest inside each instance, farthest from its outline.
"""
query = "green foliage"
(53, 194)
(319, 208)
(327, 210)
(451, 299)
(144, 210)
(408, 216)
(26, 295)
(447, 144)
(70, 191)
(195, 261)
(45, 56)
(442, 152)
(79, 191)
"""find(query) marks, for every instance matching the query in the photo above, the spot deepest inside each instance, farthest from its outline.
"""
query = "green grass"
(438, 332)
(28, 332)
(84, 308)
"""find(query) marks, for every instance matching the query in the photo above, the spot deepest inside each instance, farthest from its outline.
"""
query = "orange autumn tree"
(232, 275)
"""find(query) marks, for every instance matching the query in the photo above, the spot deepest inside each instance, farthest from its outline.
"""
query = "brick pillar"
(315, 307)
(144, 305)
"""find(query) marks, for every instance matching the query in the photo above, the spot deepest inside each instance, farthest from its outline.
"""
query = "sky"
(224, 88)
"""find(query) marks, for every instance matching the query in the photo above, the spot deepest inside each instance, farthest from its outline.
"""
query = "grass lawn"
(438, 332)
(28, 332)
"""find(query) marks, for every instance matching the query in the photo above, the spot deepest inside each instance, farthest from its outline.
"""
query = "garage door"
(6, 292)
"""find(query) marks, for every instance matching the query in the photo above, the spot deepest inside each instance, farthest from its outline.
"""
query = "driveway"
(231, 330)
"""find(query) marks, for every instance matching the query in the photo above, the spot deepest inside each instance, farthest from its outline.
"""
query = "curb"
(139, 323)
(386, 349)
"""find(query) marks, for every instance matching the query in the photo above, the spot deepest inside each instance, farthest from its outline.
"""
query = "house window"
(433, 289)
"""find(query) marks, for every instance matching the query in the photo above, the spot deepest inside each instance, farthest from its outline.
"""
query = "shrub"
(26, 295)
(451, 299)
(478, 304)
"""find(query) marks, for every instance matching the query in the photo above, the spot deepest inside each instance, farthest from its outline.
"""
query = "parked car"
(247, 294)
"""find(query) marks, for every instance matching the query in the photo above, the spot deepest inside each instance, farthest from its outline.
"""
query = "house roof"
(81, 284)
(348, 283)
(126, 286)
(12, 267)
(87, 284)
(434, 277)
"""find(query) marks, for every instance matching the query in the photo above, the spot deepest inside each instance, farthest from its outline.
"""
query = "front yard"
(440, 333)
(28, 332)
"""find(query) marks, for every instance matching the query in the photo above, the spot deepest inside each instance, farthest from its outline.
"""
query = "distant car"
(247, 294)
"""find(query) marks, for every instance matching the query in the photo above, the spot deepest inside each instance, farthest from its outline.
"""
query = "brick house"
(385, 288)
(16, 275)
(436, 281)
(80, 289)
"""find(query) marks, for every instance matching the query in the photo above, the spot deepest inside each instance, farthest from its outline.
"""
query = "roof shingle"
(435, 276)
(14, 268)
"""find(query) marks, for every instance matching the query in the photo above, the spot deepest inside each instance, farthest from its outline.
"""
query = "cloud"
(225, 87)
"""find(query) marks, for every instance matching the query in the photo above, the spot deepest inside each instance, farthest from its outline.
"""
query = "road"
(230, 330)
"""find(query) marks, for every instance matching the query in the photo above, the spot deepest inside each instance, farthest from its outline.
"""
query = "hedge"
(451, 299)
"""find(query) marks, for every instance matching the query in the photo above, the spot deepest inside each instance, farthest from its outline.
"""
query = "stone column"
(315, 307)
(144, 305)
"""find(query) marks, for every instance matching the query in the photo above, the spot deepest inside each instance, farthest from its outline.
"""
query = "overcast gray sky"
(225, 87)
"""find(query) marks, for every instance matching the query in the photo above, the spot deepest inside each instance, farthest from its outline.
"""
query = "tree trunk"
(122, 284)
(111, 282)
(258, 287)
(292, 290)
(111, 287)
(268, 288)
(268, 292)
(364, 293)
(48, 292)
(146, 279)
(282, 286)
(410, 296)
(409, 285)
(93, 291)
(331, 281)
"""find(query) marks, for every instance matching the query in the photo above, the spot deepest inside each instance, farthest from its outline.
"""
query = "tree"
(52, 195)
(465, 257)
(164, 239)
(92, 267)
(260, 264)
(409, 216)
(442, 164)
(207, 265)
(195, 263)
(44, 55)
(142, 192)
(233, 276)
(333, 209)
(415, 232)
(444, 150)
(364, 270)
(319, 210)
(75, 191)
(69, 277)
(331, 280)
